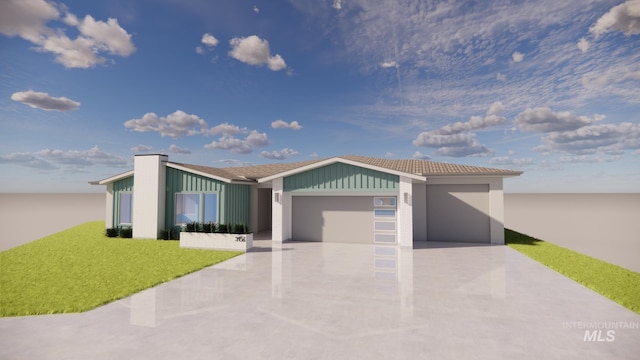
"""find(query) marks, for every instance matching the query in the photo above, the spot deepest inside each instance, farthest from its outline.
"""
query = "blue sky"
(547, 87)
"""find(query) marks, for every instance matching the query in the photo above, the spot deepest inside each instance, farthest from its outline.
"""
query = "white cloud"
(82, 158)
(455, 145)
(509, 161)
(50, 159)
(420, 156)
(209, 40)
(501, 77)
(226, 129)
(255, 9)
(607, 138)
(175, 125)
(278, 154)
(543, 120)
(314, 155)
(337, 4)
(517, 56)
(456, 140)
(588, 159)
(624, 18)
(389, 64)
(141, 148)
(234, 162)
(255, 51)
(240, 146)
(496, 108)
(28, 19)
(281, 124)
(40, 100)
(612, 76)
(475, 122)
(107, 36)
(178, 150)
(26, 160)
(583, 45)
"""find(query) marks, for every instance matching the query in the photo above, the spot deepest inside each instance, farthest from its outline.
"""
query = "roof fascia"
(113, 178)
(211, 176)
(334, 160)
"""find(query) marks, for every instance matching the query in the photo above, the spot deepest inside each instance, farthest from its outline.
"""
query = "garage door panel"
(333, 219)
(458, 213)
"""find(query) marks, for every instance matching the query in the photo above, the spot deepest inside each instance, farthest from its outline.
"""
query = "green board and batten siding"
(341, 177)
(122, 185)
(233, 199)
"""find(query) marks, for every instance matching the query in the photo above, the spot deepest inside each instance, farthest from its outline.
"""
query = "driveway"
(340, 301)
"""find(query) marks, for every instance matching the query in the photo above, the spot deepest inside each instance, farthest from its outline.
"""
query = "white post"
(149, 183)
(405, 213)
(277, 211)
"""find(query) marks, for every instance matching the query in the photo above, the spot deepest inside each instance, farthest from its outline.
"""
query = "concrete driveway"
(339, 301)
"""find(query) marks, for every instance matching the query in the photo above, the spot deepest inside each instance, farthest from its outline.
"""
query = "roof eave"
(112, 178)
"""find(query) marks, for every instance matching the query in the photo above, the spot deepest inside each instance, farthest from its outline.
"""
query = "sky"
(547, 87)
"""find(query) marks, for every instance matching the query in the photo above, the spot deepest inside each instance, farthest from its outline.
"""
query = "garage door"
(344, 219)
(458, 213)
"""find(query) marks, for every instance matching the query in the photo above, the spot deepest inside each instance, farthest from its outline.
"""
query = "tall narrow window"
(210, 208)
(125, 209)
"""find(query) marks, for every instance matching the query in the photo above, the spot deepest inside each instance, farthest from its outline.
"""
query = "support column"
(281, 212)
(405, 213)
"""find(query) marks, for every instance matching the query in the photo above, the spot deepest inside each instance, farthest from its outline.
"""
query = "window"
(196, 207)
(384, 202)
(125, 208)
(384, 213)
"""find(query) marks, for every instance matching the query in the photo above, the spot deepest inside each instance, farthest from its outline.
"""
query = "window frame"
(201, 206)
(120, 194)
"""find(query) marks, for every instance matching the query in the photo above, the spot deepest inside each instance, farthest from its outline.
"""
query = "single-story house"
(351, 199)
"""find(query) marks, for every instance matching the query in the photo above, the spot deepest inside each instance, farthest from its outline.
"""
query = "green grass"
(614, 282)
(80, 268)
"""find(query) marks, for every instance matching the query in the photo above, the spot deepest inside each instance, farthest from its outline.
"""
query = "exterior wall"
(149, 195)
(117, 187)
(234, 200)
(496, 202)
(419, 212)
(338, 176)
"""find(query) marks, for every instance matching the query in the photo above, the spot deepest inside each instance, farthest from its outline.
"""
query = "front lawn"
(80, 268)
(612, 281)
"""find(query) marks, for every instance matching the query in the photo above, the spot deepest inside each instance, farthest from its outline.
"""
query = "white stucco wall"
(108, 215)
(405, 213)
(149, 184)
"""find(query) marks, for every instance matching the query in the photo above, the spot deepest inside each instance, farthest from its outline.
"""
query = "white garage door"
(344, 219)
(458, 213)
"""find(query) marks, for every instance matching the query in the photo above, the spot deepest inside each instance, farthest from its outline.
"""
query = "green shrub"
(126, 233)
(111, 232)
(210, 227)
(191, 227)
(223, 228)
(239, 229)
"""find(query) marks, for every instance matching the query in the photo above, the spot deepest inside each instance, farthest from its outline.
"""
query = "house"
(352, 199)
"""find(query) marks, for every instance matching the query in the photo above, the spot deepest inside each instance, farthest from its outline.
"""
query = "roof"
(411, 167)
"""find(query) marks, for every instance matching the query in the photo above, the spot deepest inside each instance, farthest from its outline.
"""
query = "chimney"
(149, 192)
